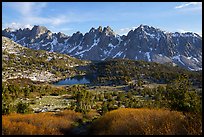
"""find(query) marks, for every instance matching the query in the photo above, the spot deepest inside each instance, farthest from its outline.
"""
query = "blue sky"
(69, 17)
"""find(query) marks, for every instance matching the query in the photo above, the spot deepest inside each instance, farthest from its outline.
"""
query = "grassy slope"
(19, 61)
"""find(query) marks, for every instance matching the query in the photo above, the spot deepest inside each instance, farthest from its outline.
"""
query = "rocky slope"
(144, 43)
(37, 65)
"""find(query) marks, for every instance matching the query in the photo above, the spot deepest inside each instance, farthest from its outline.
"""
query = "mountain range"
(143, 43)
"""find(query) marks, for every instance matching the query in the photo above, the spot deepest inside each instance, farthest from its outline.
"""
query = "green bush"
(22, 108)
(6, 109)
(181, 96)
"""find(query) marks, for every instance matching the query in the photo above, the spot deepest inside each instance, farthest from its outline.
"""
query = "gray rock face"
(144, 43)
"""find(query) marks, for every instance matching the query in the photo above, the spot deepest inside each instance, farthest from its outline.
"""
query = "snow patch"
(13, 37)
(150, 35)
(108, 52)
(72, 49)
(94, 44)
(178, 58)
(43, 45)
(105, 52)
(119, 39)
(187, 34)
(153, 36)
(111, 45)
(54, 42)
(52, 47)
(158, 38)
(190, 69)
(190, 58)
(195, 59)
(118, 54)
(148, 56)
(124, 56)
(64, 48)
(81, 55)
(103, 58)
(78, 46)
(194, 69)
(19, 40)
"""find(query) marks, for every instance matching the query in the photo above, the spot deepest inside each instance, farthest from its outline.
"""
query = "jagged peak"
(141, 26)
(26, 29)
(38, 30)
(60, 34)
(77, 33)
(100, 29)
(37, 27)
(149, 30)
(92, 30)
(108, 31)
(146, 27)
(130, 32)
(9, 29)
(108, 28)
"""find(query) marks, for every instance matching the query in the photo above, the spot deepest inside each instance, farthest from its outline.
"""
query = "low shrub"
(129, 121)
(48, 123)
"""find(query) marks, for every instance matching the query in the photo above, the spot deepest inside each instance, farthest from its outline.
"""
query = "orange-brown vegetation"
(130, 121)
(39, 124)
(91, 115)
(123, 121)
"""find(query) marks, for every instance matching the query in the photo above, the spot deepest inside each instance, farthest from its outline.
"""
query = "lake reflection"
(73, 81)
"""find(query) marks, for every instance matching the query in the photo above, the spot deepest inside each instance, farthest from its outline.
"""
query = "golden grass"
(129, 121)
(39, 124)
